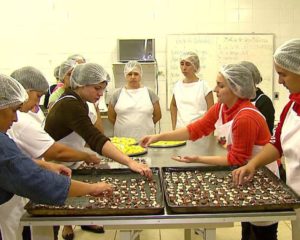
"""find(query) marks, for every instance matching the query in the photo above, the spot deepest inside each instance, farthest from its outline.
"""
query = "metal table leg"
(129, 235)
(209, 234)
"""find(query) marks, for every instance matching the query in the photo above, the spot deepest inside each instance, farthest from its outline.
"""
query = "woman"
(134, 109)
(261, 101)
(264, 104)
(51, 88)
(233, 117)
(285, 140)
(191, 96)
(40, 181)
(68, 121)
(65, 70)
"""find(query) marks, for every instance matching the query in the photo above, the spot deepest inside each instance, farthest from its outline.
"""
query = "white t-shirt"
(29, 135)
(190, 101)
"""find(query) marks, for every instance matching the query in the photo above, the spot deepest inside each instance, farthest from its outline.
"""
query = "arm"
(267, 155)
(156, 112)
(112, 115)
(109, 150)
(209, 98)
(77, 188)
(53, 167)
(211, 160)
(178, 134)
(61, 152)
(173, 111)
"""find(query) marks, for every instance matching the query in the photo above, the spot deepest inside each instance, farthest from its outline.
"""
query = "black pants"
(252, 232)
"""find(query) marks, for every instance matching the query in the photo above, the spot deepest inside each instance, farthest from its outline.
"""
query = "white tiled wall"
(42, 33)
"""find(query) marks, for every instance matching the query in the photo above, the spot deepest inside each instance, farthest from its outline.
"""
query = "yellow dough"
(130, 149)
(123, 140)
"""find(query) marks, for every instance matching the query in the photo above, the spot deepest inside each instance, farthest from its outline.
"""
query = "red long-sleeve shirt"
(249, 128)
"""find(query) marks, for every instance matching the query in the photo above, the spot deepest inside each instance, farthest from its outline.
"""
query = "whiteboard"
(215, 50)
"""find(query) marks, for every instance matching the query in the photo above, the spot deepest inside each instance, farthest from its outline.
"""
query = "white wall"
(42, 33)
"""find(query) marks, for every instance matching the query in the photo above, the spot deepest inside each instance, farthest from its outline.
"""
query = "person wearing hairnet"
(77, 58)
(40, 181)
(285, 140)
(68, 121)
(134, 109)
(235, 118)
(39, 144)
(191, 96)
(51, 88)
(64, 73)
(261, 101)
(264, 104)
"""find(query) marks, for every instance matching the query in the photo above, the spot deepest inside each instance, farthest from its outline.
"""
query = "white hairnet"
(193, 58)
(56, 72)
(239, 80)
(133, 66)
(31, 79)
(254, 71)
(88, 74)
(11, 92)
(77, 58)
(65, 68)
(287, 56)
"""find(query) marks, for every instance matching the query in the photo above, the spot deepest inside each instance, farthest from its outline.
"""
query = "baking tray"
(210, 189)
(167, 144)
(131, 192)
(108, 163)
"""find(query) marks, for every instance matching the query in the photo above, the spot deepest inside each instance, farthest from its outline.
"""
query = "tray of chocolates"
(107, 163)
(211, 189)
(133, 194)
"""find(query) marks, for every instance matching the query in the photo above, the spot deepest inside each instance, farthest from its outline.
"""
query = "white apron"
(10, 214)
(225, 130)
(74, 140)
(290, 139)
(134, 111)
(190, 101)
(254, 102)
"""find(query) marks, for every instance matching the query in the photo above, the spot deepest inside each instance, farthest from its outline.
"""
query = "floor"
(284, 233)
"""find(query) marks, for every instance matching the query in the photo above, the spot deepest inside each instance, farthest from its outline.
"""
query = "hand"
(58, 168)
(147, 140)
(100, 189)
(243, 174)
(92, 158)
(142, 169)
(186, 159)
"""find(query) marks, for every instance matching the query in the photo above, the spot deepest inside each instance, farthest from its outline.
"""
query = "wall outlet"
(276, 95)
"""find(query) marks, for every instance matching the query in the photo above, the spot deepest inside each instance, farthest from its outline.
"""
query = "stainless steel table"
(160, 157)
